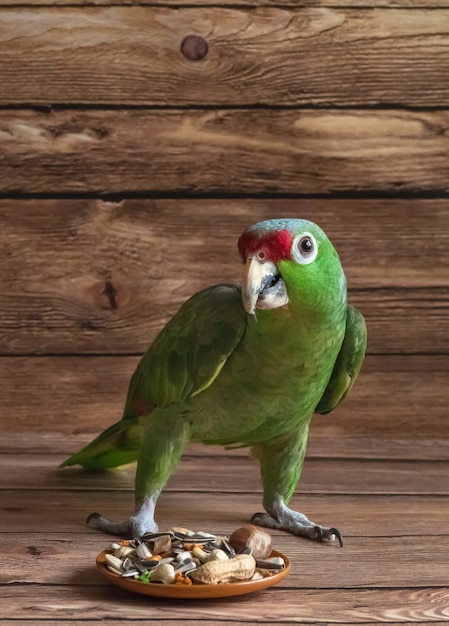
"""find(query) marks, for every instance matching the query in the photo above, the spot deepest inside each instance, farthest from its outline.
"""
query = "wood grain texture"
(342, 4)
(379, 241)
(326, 606)
(223, 151)
(393, 567)
(355, 566)
(191, 619)
(321, 444)
(397, 409)
(406, 518)
(316, 55)
(54, 298)
(340, 476)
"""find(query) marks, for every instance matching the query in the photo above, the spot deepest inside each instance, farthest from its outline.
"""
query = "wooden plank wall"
(137, 141)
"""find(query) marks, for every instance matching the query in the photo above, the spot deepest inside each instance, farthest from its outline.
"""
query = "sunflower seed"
(148, 563)
(226, 547)
(150, 536)
(143, 551)
(192, 538)
(127, 564)
(275, 563)
(113, 561)
(185, 567)
(114, 570)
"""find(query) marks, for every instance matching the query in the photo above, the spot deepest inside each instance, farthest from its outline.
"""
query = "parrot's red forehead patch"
(275, 245)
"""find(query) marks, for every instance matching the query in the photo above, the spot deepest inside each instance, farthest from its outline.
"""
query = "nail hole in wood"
(194, 47)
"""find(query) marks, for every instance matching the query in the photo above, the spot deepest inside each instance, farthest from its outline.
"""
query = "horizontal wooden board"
(155, 253)
(322, 443)
(361, 563)
(228, 151)
(266, 55)
(391, 406)
(382, 243)
(204, 621)
(293, 606)
(235, 473)
(80, 319)
(398, 407)
(407, 518)
(355, 4)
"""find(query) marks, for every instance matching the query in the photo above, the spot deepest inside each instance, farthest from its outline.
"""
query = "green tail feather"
(117, 445)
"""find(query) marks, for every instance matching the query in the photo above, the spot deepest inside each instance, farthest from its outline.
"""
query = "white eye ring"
(304, 249)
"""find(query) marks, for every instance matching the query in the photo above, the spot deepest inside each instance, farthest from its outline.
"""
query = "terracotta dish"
(194, 591)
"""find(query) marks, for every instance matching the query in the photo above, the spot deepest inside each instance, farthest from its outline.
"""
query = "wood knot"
(110, 292)
(194, 47)
(109, 295)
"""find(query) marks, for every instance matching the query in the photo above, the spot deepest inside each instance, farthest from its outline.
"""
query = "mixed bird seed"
(183, 557)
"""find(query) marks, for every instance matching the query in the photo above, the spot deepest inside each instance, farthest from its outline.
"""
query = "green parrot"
(242, 366)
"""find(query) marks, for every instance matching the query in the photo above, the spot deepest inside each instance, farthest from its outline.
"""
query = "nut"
(253, 537)
(161, 544)
(241, 567)
(164, 573)
(143, 551)
(200, 554)
(218, 555)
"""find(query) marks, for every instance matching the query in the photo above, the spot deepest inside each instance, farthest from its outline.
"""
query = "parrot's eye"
(304, 249)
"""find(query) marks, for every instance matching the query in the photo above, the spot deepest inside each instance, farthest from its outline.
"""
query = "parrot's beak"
(262, 286)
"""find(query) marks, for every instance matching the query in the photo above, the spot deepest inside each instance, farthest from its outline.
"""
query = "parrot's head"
(290, 262)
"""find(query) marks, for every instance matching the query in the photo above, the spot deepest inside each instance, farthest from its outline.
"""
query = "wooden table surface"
(393, 513)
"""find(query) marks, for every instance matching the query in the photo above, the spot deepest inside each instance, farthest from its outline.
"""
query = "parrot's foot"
(136, 526)
(282, 518)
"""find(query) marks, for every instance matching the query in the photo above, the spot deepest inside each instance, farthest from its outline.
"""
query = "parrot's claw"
(283, 518)
(135, 526)
(328, 534)
(95, 520)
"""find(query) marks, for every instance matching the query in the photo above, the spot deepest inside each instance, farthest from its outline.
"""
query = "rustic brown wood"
(406, 517)
(389, 543)
(54, 298)
(320, 445)
(382, 243)
(224, 151)
(343, 4)
(54, 324)
(187, 619)
(132, 55)
(328, 606)
(319, 475)
(49, 323)
(398, 407)
(80, 319)
(358, 565)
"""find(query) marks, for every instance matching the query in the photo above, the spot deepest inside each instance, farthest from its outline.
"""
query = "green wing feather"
(190, 351)
(348, 363)
(184, 360)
